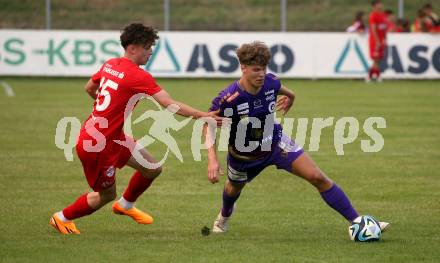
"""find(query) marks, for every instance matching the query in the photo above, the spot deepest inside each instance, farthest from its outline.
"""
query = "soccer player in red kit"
(112, 87)
(377, 38)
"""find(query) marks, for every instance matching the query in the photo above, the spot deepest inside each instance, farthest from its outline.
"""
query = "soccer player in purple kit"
(257, 142)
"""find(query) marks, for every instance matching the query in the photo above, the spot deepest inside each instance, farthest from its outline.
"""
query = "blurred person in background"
(358, 25)
(431, 19)
(391, 21)
(419, 24)
(377, 39)
(403, 26)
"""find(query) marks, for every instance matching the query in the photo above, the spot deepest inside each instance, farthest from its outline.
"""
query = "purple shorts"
(282, 156)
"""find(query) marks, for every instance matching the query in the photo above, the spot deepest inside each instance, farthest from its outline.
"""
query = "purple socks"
(337, 200)
(334, 197)
(228, 204)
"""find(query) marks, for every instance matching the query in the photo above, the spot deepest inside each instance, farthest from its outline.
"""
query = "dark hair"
(404, 24)
(427, 6)
(138, 34)
(359, 15)
(375, 2)
(389, 12)
(255, 53)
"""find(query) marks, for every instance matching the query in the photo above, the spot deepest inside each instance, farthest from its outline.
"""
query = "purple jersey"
(254, 132)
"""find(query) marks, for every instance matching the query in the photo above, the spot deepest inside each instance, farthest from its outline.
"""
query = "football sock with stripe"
(337, 200)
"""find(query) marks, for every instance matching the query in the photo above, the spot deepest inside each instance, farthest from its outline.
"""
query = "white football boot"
(220, 224)
(384, 226)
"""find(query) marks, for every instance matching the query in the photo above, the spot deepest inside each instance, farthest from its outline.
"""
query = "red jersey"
(378, 19)
(119, 80)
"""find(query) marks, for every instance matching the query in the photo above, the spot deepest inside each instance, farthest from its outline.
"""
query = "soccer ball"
(365, 229)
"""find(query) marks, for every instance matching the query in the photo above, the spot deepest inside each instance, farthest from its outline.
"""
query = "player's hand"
(284, 104)
(214, 171)
(219, 120)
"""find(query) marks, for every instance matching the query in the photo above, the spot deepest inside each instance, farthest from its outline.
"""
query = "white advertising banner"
(211, 54)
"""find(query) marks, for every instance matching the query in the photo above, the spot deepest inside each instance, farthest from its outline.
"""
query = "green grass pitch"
(279, 217)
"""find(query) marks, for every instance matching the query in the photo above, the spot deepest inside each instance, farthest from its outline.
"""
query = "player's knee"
(156, 172)
(152, 173)
(316, 177)
(233, 188)
(108, 196)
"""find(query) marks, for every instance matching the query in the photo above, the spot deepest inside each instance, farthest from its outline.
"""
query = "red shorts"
(100, 167)
(378, 53)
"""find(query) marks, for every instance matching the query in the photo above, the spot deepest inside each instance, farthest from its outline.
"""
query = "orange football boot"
(64, 228)
(137, 215)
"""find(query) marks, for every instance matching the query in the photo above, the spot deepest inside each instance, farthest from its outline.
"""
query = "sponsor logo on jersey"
(271, 107)
(233, 96)
(269, 92)
(257, 104)
(270, 97)
(246, 111)
(243, 108)
(382, 26)
(113, 72)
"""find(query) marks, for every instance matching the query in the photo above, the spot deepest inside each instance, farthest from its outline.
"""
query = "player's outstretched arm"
(286, 100)
(214, 169)
(91, 88)
(165, 100)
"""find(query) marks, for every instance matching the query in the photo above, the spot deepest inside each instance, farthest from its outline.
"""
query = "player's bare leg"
(96, 200)
(231, 193)
(139, 182)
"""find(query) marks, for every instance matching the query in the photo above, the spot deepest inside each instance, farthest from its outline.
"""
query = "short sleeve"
(274, 82)
(96, 77)
(147, 84)
(218, 103)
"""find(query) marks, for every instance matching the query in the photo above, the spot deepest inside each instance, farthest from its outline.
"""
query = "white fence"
(211, 54)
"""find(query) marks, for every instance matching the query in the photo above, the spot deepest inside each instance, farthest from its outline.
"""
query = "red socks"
(137, 185)
(374, 71)
(78, 209)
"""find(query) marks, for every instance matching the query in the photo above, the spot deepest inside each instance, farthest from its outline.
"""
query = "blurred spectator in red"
(377, 38)
(391, 20)
(358, 24)
(402, 26)
(420, 22)
(431, 19)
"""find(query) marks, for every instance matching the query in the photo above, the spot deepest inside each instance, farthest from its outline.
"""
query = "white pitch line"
(8, 90)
